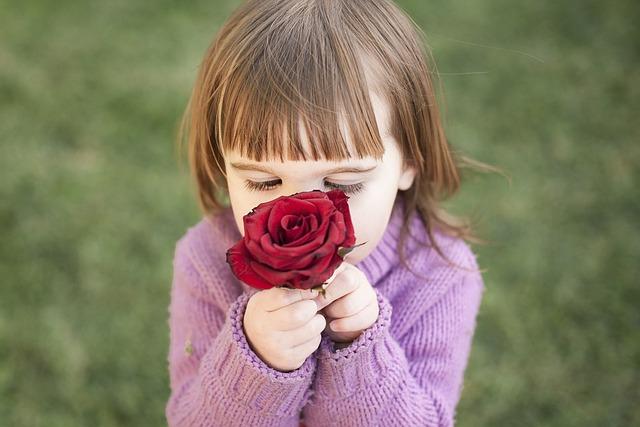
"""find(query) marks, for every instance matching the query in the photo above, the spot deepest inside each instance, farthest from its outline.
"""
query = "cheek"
(238, 213)
(242, 202)
(239, 225)
(370, 211)
(368, 229)
(365, 225)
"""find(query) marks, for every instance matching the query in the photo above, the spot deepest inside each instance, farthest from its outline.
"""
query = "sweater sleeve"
(216, 379)
(416, 380)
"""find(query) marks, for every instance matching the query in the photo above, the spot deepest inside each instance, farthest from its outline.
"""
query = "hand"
(349, 303)
(283, 327)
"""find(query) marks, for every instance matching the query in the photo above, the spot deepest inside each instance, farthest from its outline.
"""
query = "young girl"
(299, 95)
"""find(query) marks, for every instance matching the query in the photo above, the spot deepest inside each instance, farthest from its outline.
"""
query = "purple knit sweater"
(405, 370)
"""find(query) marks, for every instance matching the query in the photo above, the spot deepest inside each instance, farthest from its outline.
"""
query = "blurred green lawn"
(92, 201)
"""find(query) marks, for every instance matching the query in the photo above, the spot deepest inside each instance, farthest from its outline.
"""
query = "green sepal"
(344, 251)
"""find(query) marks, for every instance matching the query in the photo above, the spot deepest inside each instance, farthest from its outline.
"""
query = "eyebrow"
(344, 169)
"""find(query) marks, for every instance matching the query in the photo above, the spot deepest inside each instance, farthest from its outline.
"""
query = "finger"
(276, 298)
(357, 322)
(344, 283)
(293, 315)
(305, 332)
(302, 351)
(338, 270)
(350, 304)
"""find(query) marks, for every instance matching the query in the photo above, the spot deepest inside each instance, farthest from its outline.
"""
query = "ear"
(406, 178)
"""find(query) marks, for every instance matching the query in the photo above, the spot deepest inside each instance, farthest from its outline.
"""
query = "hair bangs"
(298, 84)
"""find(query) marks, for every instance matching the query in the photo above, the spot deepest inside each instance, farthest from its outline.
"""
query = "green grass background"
(92, 201)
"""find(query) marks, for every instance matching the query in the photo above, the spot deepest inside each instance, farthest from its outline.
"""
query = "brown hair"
(277, 62)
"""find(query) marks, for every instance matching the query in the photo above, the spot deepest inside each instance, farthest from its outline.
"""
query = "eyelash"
(269, 185)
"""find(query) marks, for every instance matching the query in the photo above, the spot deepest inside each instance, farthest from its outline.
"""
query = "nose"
(300, 187)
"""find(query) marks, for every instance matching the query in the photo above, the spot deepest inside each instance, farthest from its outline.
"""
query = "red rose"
(294, 241)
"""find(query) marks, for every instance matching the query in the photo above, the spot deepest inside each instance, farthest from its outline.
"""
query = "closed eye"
(270, 185)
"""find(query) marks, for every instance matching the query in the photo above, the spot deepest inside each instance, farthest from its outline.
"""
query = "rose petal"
(288, 206)
(255, 222)
(320, 264)
(294, 226)
(275, 259)
(314, 229)
(314, 260)
(278, 278)
(273, 249)
(336, 232)
(300, 279)
(340, 201)
(324, 206)
(302, 226)
(314, 194)
(324, 267)
(238, 259)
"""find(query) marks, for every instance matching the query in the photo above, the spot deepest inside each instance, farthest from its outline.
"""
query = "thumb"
(340, 269)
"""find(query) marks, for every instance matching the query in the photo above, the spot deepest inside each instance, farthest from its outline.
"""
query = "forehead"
(302, 169)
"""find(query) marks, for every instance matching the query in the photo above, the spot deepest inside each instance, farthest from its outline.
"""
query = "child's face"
(371, 192)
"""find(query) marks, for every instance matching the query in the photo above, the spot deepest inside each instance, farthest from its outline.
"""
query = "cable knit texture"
(405, 370)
